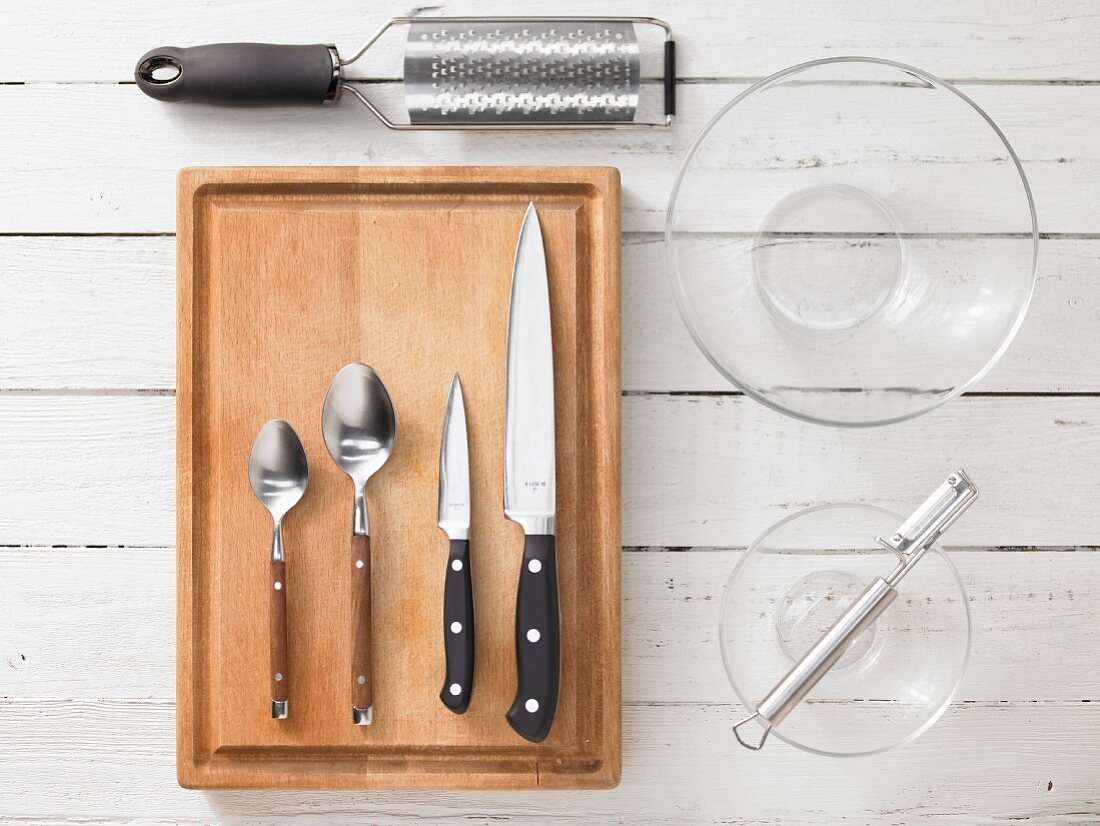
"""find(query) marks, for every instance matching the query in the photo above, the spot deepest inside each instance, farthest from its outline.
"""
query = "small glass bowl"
(852, 242)
(795, 581)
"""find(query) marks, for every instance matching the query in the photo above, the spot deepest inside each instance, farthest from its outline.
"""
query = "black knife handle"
(458, 628)
(538, 644)
(240, 74)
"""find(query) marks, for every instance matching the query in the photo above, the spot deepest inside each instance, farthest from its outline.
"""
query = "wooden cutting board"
(286, 275)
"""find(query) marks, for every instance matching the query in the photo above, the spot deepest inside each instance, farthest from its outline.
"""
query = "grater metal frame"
(341, 85)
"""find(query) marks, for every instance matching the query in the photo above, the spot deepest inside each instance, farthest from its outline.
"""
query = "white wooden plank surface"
(86, 313)
(103, 158)
(693, 468)
(114, 761)
(98, 313)
(710, 471)
(51, 639)
(752, 38)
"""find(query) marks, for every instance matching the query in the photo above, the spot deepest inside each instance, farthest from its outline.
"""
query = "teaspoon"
(359, 427)
(278, 472)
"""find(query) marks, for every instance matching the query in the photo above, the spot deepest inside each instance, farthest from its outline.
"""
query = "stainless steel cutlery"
(359, 427)
(279, 474)
(529, 484)
(454, 519)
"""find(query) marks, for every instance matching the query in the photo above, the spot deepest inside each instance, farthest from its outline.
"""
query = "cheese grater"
(459, 73)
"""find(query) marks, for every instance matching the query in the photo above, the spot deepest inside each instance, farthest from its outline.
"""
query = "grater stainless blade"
(501, 72)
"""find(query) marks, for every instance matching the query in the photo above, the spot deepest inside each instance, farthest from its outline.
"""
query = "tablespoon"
(359, 428)
(278, 472)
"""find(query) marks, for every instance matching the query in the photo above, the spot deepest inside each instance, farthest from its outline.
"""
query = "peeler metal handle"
(915, 536)
(833, 645)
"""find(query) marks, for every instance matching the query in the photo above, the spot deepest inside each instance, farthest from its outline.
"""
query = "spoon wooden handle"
(278, 635)
(362, 689)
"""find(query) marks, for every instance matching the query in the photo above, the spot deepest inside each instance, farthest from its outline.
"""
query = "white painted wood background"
(86, 426)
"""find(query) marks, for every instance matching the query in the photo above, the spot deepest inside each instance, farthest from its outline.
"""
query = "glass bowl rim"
(949, 697)
(684, 305)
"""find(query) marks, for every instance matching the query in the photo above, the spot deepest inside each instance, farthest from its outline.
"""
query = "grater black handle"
(670, 77)
(241, 74)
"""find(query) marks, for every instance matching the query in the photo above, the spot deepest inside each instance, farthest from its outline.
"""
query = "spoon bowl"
(358, 422)
(277, 468)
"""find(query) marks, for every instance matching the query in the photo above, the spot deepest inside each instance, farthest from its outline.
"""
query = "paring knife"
(454, 519)
(529, 489)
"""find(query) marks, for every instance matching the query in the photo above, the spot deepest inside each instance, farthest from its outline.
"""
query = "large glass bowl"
(795, 581)
(852, 241)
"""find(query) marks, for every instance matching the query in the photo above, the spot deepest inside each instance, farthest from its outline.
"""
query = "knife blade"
(529, 484)
(454, 519)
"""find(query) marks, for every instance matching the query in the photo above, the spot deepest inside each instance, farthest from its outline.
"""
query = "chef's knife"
(454, 519)
(529, 490)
